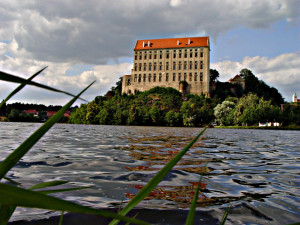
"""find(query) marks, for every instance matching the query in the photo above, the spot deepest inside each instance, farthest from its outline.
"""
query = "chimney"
(177, 42)
(148, 43)
(143, 44)
(189, 41)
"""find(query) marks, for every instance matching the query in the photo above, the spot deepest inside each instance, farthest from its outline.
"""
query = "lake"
(256, 170)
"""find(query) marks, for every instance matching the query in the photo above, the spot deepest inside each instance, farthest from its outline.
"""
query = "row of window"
(175, 77)
(179, 66)
(168, 55)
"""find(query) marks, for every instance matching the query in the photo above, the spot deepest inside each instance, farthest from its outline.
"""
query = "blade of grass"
(156, 179)
(61, 190)
(48, 184)
(11, 160)
(11, 195)
(224, 218)
(15, 79)
(5, 213)
(19, 88)
(192, 212)
(61, 218)
(12, 181)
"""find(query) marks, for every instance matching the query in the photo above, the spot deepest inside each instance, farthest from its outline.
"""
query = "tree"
(214, 74)
(224, 113)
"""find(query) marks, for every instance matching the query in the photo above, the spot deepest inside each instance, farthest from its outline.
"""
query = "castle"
(180, 63)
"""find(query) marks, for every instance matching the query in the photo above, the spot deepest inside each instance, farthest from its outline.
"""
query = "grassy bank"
(290, 127)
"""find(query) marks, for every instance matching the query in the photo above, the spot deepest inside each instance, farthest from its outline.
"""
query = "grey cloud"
(95, 31)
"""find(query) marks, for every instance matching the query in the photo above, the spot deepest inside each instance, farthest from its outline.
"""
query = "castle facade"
(180, 63)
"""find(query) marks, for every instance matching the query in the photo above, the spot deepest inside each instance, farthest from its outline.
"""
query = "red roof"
(172, 43)
(31, 111)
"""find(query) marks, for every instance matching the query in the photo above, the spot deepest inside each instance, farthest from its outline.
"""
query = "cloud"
(94, 32)
(281, 72)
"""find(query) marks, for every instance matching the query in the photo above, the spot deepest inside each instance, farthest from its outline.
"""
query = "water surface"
(256, 170)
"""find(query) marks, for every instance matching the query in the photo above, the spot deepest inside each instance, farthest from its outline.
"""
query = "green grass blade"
(156, 179)
(12, 181)
(192, 212)
(224, 218)
(5, 213)
(15, 79)
(61, 190)
(11, 160)
(12, 195)
(61, 218)
(48, 184)
(19, 88)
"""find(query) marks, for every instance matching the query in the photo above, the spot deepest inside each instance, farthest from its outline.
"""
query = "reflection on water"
(256, 170)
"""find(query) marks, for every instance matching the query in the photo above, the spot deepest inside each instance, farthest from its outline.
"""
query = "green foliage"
(157, 106)
(224, 113)
(214, 74)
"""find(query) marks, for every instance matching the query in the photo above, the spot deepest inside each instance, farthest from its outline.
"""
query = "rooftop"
(172, 43)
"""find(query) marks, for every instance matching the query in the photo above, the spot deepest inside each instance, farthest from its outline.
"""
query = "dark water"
(258, 171)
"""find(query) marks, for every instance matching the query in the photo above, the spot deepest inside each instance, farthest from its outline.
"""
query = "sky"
(83, 41)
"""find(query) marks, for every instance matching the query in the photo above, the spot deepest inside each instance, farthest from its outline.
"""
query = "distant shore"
(291, 127)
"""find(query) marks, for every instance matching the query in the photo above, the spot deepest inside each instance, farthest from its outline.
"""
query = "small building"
(169, 62)
(32, 111)
(238, 80)
(295, 99)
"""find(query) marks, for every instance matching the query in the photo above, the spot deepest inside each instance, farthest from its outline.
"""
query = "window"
(150, 55)
(167, 55)
(140, 78)
(196, 66)
(191, 65)
(195, 77)
(154, 78)
(128, 82)
(144, 78)
(159, 78)
(174, 77)
(184, 76)
(201, 65)
(145, 66)
(135, 77)
(150, 66)
(167, 77)
(191, 54)
(179, 55)
(160, 54)
(145, 56)
(201, 54)
(154, 66)
(174, 54)
(154, 56)
(140, 66)
(149, 78)
(201, 76)
(174, 65)
(184, 67)
(160, 66)
(140, 56)
(167, 65)
(185, 54)
(135, 67)
(191, 77)
(179, 76)
(135, 57)
(179, 66)
(196, 54)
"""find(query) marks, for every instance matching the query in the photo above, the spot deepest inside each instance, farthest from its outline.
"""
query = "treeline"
(15, 112)
(251, 110)
(158, 106)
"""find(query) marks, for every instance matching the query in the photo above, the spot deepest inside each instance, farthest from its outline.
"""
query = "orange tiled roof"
(172, 43)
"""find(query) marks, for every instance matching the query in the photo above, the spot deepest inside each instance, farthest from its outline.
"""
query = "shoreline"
(259, 128)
